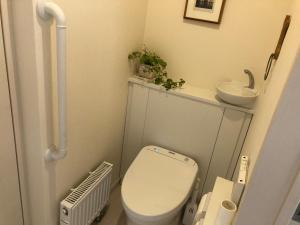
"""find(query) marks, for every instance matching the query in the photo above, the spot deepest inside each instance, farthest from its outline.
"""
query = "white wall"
(11, 211)
(269, 99)
(278, 163)
(204, 53)
(100, 35)
(28, 59)
(290, 205)
(272, 141)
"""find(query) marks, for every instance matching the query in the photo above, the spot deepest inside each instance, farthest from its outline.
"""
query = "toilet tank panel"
(182, 124)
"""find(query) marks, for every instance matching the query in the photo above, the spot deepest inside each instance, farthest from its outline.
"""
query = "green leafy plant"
(156, 66)
(149, 58)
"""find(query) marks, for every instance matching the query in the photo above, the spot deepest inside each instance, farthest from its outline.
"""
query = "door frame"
(289, 207)
(11, 76)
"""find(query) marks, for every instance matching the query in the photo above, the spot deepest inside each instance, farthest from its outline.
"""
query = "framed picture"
(204, 10)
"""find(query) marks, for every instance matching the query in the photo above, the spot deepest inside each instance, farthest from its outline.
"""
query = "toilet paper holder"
(232, 191)
(239, 185)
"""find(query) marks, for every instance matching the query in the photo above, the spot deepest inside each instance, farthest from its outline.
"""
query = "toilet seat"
(157, 184)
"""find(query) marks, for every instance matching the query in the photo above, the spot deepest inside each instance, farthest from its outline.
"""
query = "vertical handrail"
(48, 10)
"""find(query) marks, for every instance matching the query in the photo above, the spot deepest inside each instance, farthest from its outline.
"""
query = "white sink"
(236, 93)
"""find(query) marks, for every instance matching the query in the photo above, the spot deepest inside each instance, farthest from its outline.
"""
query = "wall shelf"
(192, 92)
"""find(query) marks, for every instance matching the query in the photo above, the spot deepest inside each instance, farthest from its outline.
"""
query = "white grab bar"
(48, 10)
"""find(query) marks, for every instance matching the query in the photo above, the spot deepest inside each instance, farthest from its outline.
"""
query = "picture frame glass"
(206, 10)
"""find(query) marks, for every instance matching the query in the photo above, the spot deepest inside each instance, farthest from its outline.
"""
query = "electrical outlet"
(296, 216)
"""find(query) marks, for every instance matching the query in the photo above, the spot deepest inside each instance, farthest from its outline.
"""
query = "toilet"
(156, 186)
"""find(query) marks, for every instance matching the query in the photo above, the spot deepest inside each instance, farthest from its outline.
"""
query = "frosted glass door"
(10, 203)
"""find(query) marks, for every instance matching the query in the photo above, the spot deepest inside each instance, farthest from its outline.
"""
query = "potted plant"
(152, 67)
(148, 63)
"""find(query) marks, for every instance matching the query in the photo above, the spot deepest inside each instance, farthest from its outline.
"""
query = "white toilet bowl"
(156, 186)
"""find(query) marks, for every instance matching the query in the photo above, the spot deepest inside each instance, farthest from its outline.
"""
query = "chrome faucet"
(251, 79)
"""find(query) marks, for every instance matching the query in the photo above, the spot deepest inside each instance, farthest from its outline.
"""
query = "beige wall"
(269, 98)
(290, 205)
(204, 53)
(273, 139)
(10, 207)
(100, 35)
(277, 165)
(29, 66)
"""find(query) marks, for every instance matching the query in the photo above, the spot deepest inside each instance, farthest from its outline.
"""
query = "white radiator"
(86, 201)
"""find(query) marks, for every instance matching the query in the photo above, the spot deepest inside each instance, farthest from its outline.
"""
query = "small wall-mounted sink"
(236, 93)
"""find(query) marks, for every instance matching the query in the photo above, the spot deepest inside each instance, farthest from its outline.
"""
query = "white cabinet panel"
(183, 125)
(134, 128)
(211, 134)
(10, 201)
(227, 147)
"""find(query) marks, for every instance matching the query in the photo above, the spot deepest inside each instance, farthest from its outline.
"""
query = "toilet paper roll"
(200, 211)
(226, 213)
(202, 208)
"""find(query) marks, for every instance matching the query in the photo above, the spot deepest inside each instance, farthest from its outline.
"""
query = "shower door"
(10, 201)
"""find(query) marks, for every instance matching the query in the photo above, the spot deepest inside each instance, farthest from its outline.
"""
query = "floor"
(115, 214)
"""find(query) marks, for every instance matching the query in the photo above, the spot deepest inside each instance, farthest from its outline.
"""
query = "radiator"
(85, 202)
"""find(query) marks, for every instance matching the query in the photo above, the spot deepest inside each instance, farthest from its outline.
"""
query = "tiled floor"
(115, 214)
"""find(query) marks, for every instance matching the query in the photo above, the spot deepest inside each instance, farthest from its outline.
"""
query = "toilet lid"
(158, 182)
